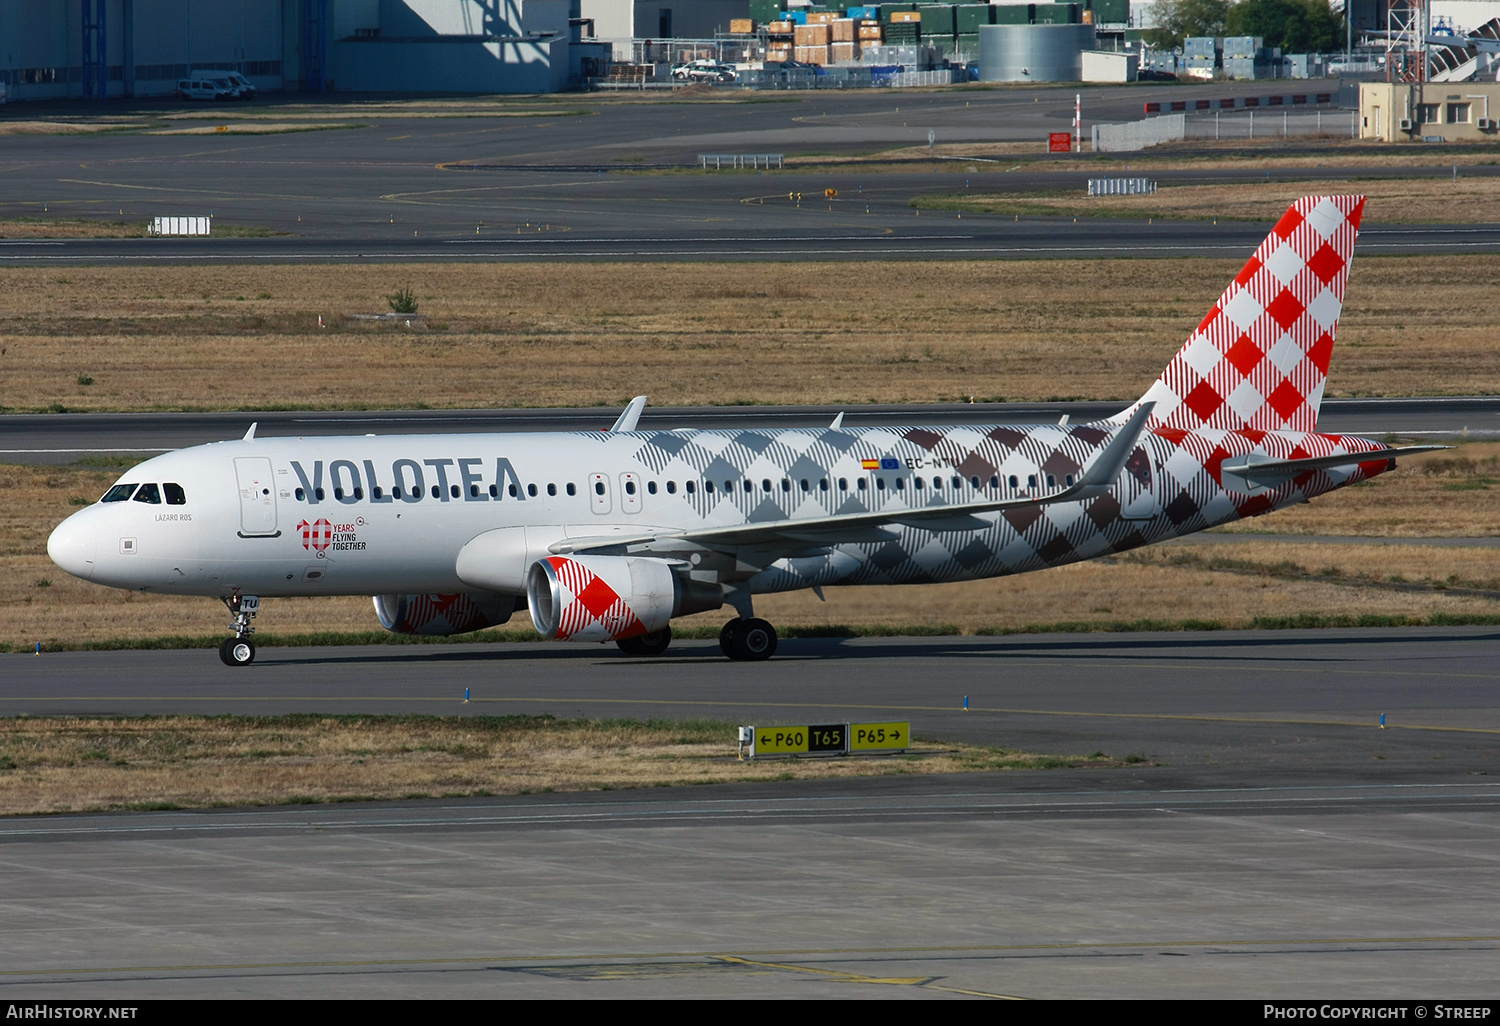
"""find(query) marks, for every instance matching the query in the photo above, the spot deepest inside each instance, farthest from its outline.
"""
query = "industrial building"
(1428, 111)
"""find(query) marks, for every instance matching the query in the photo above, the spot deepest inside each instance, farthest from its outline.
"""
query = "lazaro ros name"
(461, 478)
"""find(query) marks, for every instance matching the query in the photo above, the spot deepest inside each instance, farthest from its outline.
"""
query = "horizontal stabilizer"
(1263, 471)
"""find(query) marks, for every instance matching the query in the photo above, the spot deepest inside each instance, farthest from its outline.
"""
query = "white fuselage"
(373, 515)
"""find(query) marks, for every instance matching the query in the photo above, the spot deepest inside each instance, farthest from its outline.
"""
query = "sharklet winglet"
(630, 416)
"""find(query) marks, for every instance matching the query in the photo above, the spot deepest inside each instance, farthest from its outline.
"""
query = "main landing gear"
(240, 650)
(652, 644)
(748, 640)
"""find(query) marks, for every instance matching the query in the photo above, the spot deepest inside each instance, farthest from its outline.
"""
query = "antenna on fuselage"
(631, 416)
(250, 435)
(838, 422)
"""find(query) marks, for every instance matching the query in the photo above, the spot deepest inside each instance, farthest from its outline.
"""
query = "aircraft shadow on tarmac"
(1195, 646)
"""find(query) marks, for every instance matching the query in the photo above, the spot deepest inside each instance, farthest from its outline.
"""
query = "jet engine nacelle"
(444, 614)
(598, 598)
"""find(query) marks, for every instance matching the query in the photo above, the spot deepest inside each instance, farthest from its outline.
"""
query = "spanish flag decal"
(869, 464)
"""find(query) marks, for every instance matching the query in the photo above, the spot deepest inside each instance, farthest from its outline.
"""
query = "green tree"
(1297, 26)
(1182, 18)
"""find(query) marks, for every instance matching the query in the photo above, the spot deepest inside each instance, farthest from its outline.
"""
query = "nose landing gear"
(240, 650)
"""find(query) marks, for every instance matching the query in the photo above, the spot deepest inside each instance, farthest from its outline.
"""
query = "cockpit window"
(149, 493)
(175, 495)
(119, 493)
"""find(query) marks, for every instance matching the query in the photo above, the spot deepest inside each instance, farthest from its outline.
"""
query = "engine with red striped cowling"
(599, 598)
(445, 614)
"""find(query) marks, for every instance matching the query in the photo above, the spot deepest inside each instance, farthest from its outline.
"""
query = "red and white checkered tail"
(1260, 358)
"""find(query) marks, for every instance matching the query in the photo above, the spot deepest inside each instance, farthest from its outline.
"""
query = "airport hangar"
(96, 49)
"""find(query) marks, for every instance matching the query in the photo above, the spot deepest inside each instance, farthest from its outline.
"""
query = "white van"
(204, 89)
(239, 86)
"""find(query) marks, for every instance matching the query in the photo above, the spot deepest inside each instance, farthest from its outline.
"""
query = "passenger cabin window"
(119, 493)
(175, 495)
(572, 488)
(149, 493)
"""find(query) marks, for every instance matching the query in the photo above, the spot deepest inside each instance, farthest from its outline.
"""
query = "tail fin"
(1260, 358)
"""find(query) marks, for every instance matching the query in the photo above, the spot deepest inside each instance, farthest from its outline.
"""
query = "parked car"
(704, 70)
(239, 86)
(197, 88)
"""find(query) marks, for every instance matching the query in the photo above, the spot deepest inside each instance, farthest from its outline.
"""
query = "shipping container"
(842, 31)
(741, 26)
(1011, 14)
(863, 13)
(888, 12)
(843, 52)
(1056, 14)
(796, 17)
(762, 11)
(812, 35)
(779, 28)
(968, 17)
(937, 19)
(1111, 12)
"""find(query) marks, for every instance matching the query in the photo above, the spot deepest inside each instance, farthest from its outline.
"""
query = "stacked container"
(1200, 55)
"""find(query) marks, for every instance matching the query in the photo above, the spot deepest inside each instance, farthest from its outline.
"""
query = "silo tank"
(1033, 53)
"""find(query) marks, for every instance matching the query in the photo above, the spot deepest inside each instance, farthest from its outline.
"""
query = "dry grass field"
(1463, 200)
(1235, 583)
(85, 339)
(70, 764)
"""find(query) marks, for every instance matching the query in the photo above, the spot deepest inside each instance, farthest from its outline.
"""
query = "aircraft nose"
(73, 546)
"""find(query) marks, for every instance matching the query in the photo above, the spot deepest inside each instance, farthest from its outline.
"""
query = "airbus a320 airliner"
(609, 535)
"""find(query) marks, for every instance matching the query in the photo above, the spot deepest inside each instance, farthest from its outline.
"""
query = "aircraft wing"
(1101, 473)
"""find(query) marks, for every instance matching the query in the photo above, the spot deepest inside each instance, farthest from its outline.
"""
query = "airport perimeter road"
(64, 438)
(1006, 885)
(1294, 705)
